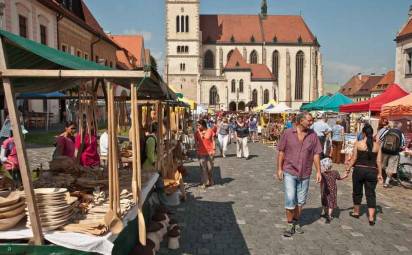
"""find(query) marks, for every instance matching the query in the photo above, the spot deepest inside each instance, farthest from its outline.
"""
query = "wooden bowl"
(50, 191)
(11, 207)
(11, 199)
(6, 224)
(13, 212)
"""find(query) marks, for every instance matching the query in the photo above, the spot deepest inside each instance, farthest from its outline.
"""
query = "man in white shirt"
(321, 128)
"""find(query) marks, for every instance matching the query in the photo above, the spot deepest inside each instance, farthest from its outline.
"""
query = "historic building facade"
(403, 69)
(229, 61)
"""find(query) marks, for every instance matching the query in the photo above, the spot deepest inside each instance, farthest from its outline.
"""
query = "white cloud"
(146, 34)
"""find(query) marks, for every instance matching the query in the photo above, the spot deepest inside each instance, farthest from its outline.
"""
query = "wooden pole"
(159, 112)
(21, 154)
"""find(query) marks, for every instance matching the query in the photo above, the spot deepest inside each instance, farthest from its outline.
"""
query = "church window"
(178, 49)
(255, 97)
(182, 23)
(213, 96)
(275, 64)
(187, 23)
(177, 24)
(253, 57)
(229, 55)
(300, 58)
(266, 96)
(23, 26)
(182, 67)
(186, 49)
(233, 87)
(241, 86)
(209, 60)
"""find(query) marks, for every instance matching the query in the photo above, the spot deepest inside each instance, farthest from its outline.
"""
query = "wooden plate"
(12, 213)
(12, 207)
(11, 199)
(9, 223)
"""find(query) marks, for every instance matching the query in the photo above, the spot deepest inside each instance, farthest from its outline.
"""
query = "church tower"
(182, 68)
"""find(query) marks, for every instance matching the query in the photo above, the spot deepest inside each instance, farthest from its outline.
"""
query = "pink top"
(205, 144)
(299, 155)
(12, 161)
(67, 143)
(89, 157)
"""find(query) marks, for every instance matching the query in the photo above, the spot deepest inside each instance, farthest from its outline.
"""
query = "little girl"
(328, 188)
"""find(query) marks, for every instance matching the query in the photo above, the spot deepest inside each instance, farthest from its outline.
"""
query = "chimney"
(410, 11)
(359, 76)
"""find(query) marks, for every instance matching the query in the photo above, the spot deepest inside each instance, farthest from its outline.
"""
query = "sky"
(356, 36)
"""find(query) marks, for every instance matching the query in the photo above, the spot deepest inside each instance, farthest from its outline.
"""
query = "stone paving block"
(401, 248)
(356, 234)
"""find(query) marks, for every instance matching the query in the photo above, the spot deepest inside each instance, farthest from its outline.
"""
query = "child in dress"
(328, 188)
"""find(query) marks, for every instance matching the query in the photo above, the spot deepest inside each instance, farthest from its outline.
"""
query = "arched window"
(266, 96)
(300, 58)
(209, 62)
(241, 86)
(186, 49)
(182, 23)
(232, 106)
(178, 49)
(213, 96)
(187, 23)
(255, 97)
(275, 64)
(233, 87)
(253, 57)
(177, 24)
(229, 55)
(241, 106)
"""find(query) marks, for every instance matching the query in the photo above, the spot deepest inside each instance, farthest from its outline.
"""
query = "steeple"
(264, 9)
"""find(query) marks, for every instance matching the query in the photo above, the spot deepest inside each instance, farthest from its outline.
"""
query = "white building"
(227, 61)
(403, 70)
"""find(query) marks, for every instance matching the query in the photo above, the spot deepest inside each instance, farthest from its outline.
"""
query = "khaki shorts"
(390, 163)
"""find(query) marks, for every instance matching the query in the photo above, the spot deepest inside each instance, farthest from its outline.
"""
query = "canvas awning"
(399, 108)
(333, 103)
(51, 95)
(375, 104)
(311, 106)
(280, 108)
(21, 53)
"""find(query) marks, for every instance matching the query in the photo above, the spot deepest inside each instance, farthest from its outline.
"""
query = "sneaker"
(298, 228)
(289, 231)
(328, 219)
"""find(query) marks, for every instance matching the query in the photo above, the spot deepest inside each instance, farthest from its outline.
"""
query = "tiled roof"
(258, 71)
(251, 28)
(132, 43)
(353, 85)
(365, 90)
(122, 60)
(406, 31)
(385, 82)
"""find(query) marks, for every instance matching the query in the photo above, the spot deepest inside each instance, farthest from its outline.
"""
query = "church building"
(229, 62)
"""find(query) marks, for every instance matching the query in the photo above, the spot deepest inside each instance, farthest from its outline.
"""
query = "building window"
(177, 24)
(111, 64)
(408, 62)
(233, 87)
(253, 57)
(241, 86)
(213, 96)
(266, 96)
(68, 4)
(300, 58)
(186, 49)
(79, 53)
(255, 97)
(182, 24)
(275, 64)
(187, 23)
(229, 55)
(43, 34)
(86, 56)
(182, 67)
(64, 47)
(209, 60)
(23, 26)
(178, 49)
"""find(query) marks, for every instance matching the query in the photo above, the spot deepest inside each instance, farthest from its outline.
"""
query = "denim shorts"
(296, 191)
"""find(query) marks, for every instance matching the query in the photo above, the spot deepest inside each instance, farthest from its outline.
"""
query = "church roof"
(254, 29)
(258, 71)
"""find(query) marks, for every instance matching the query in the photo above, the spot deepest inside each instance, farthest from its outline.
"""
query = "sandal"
(356, 216)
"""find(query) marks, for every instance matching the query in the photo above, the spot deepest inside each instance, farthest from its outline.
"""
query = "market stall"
(332, 103)
(106, 219)
(311, 106)
(401, 108)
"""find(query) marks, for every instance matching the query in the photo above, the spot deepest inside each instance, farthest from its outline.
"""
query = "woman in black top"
(367, 172)
(242, 134)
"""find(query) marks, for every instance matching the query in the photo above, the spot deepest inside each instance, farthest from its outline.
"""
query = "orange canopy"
(398, 108)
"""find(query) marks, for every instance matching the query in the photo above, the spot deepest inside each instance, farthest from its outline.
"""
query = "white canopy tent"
(279, 108)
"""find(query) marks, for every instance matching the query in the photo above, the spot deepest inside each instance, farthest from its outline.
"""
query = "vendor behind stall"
(63, 155)
(86, 147)
(148, 152)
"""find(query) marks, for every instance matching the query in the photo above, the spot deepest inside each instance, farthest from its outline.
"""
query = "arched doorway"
(241, 106)
(232, 106)
(255, 97)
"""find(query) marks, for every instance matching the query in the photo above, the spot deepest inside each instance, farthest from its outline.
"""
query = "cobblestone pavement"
(243, 213)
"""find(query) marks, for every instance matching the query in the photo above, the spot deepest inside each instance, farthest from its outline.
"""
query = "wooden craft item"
(8, 223)
(12, 207)
(12, 213)
(11, 199)
(50, 191)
